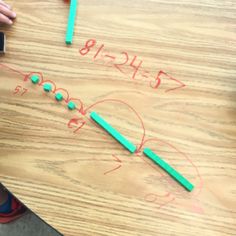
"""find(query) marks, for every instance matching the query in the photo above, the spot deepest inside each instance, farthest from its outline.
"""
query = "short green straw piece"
(71, 105)
(113, 132)
(47, 87)
(71, 21)
(171, 171)
(59, 97)
(34, 79)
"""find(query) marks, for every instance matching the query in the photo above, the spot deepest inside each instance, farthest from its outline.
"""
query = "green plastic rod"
(113, 132)
(171, 171)
(71, 21)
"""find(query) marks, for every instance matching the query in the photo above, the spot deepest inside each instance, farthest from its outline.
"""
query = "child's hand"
(6, 14)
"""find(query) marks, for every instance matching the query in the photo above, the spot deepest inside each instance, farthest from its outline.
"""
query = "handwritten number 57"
(20, 90)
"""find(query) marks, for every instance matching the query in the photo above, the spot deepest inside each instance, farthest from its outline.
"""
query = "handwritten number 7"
(24, 91)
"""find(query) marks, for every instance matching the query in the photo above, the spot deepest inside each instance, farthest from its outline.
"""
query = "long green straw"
(170, 170)
(71, 21)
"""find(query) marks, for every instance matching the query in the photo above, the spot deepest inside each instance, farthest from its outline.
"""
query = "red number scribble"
(116, 168)
(136, 68)
(119, 65)
(167, 202)
(24, 91)
(157, 82)
(153, 197)
(76, 122)
(21, 90)
(17, 89)
(88, 45)
(110, 61)
(98, 51)
(156, 198)
(134, 64)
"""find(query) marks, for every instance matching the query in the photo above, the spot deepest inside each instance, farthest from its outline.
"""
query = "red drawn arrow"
(78, 122)
(116, 168)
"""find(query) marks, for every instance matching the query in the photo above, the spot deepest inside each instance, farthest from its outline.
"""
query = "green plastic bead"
(59, 97)
(71, 105)
(35, 79)
(47, 87)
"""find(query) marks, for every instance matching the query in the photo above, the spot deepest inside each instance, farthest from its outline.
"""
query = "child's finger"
(4, 19)
(4, 4)
(7, 12)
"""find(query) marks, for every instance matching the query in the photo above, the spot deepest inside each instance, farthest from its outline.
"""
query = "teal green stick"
(165, 166)
(71, 21)
(113, 132)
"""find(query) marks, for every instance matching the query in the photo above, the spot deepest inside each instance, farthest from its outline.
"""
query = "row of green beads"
(48, 88)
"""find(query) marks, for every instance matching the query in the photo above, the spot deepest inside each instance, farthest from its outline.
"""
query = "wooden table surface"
(81, 181)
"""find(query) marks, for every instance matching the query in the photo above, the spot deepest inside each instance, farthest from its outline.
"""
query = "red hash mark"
(116, 168)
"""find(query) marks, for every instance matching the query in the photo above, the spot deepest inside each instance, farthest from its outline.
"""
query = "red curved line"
(189, 160)
(136, 113)
(62, 89)
(157, 196)
(13, 69)
(118, 167)
(157, 85)
(146, 197)
(81, 109)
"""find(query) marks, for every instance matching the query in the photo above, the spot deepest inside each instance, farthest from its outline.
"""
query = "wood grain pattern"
(60, 175)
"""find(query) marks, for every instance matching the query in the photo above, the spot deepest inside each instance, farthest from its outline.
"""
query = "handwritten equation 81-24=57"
(132, 62)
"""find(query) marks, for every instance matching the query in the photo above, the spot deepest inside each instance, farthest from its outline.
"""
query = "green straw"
(71, 22)
(113, 132)
(171, 171)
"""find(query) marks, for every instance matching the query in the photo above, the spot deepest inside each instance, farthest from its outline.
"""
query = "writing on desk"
(133, 63)
(20, 90)
(78, 122)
